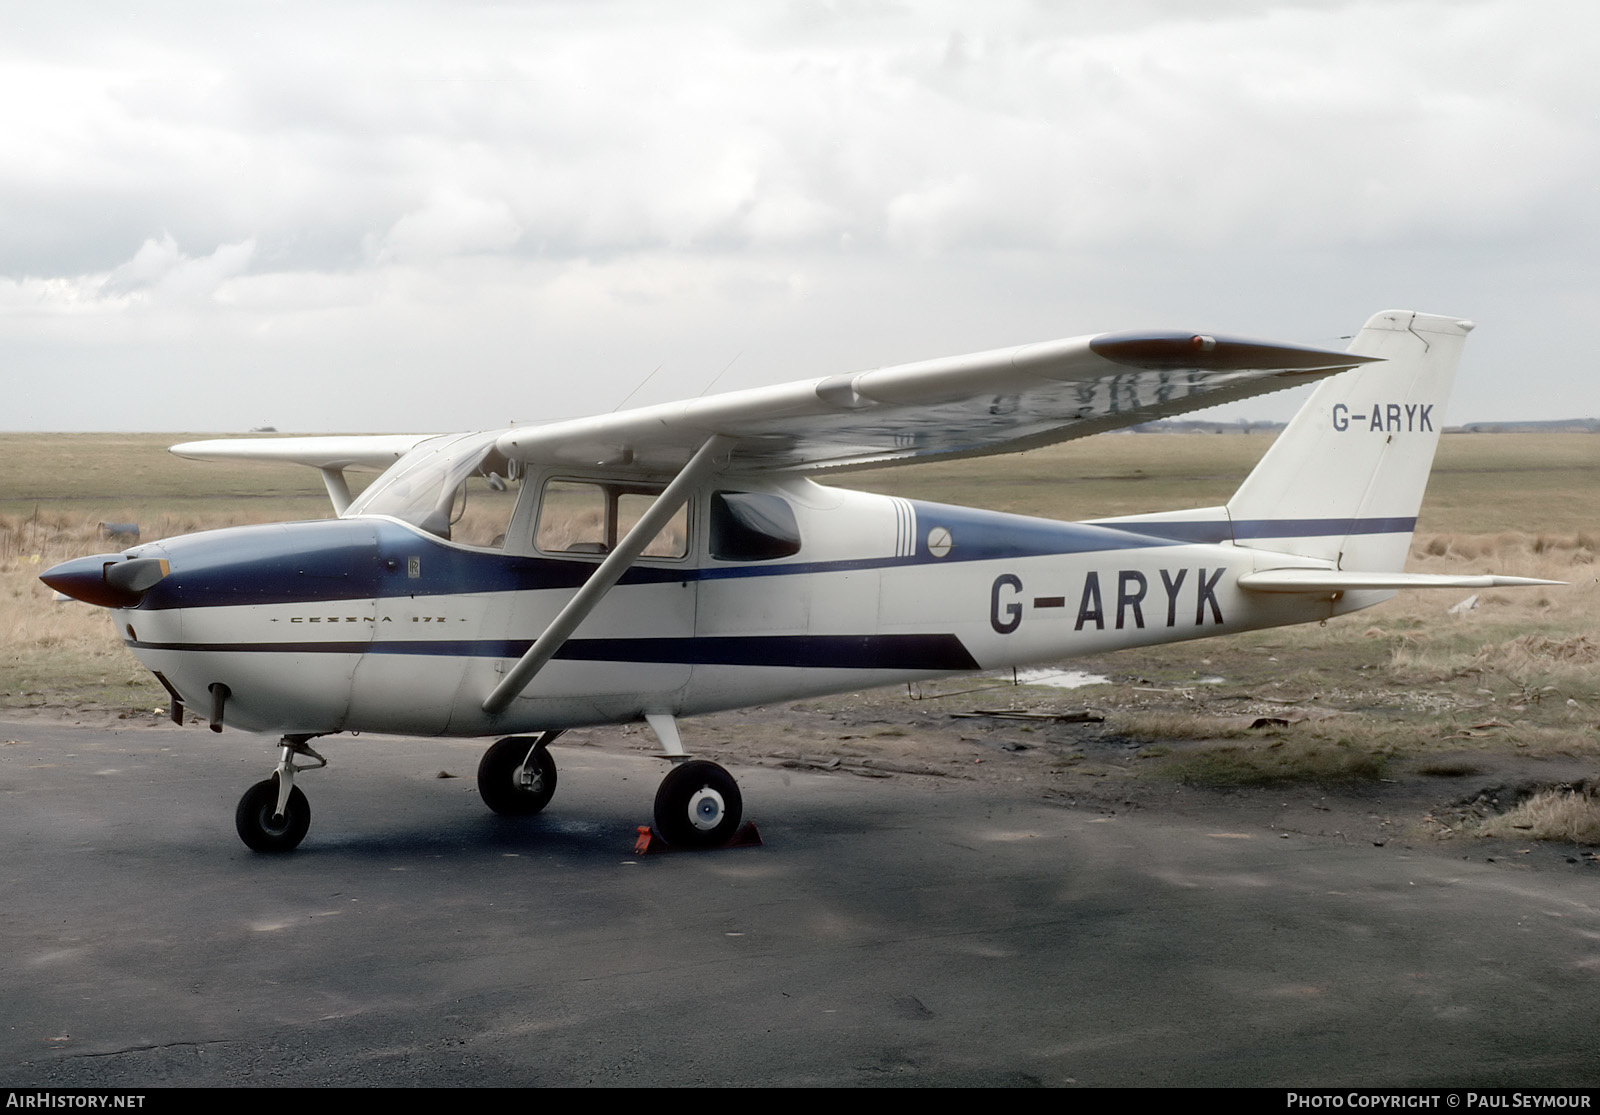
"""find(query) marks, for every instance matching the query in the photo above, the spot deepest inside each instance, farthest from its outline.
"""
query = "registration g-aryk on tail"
(658, 563)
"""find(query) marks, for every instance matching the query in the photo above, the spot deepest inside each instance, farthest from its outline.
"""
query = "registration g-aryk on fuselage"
(679, 559)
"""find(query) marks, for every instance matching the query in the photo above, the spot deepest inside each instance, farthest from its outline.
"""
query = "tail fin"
(1344, 481)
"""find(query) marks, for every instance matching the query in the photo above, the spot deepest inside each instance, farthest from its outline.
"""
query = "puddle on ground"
(1078, 679)
(1060, 679)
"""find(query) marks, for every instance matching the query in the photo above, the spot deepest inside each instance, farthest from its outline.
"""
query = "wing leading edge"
(964, 406)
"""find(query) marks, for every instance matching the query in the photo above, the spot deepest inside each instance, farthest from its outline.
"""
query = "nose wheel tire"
(261, 828)
(698, 806)
(512, 788)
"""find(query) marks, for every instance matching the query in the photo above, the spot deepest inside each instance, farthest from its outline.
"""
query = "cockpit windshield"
(458, 487)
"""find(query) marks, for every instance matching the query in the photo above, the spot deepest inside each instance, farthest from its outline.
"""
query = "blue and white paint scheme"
(680, 559)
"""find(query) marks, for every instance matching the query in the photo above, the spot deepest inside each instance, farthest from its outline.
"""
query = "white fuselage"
(371, 624)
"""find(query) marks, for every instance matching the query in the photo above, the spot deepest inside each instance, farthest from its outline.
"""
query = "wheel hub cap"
(706, 808)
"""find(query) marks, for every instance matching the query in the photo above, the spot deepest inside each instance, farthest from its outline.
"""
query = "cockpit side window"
(591, 517)
(752, 526)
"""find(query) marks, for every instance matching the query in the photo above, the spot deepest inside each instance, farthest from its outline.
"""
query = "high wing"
(1001, 401)
(963, 406)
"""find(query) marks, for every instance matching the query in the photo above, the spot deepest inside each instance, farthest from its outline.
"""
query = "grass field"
(1481, 484)
(1404, 683)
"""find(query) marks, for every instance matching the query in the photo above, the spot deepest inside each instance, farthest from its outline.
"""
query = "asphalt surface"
(888, 932)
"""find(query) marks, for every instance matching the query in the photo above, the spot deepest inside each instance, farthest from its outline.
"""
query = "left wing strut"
(338, 488)
(608, 573)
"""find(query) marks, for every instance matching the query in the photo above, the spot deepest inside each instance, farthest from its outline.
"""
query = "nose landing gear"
(273, 815)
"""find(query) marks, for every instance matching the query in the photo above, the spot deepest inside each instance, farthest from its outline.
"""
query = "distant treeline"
(1553, 426)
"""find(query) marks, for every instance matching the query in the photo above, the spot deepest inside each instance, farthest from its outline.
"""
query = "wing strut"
(607, 573)
(338, 489)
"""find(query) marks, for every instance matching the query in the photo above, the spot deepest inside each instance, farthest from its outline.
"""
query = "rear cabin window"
(591, 517)
(752, 526)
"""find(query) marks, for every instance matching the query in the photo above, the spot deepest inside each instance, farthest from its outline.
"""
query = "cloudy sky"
(428, 215)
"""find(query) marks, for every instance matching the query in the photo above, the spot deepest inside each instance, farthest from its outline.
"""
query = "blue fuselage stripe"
(366, 559)
(847, 652)
(1243, 530)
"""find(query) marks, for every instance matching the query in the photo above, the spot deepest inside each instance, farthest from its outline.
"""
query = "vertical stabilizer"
(1343, 483)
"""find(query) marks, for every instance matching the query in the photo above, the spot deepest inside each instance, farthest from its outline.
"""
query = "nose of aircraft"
(109, 580)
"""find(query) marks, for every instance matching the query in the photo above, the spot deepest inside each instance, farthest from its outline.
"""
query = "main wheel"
(698, 805)
(260, 827)
(506, 787)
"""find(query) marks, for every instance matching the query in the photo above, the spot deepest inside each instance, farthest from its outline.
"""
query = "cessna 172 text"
(673, 560)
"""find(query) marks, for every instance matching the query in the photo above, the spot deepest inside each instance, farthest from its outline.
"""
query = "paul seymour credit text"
(1437, 1100)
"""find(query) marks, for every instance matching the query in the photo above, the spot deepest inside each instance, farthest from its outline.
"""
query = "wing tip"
(1175, 350)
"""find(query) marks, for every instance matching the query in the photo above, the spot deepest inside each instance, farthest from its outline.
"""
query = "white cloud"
(154, 260)
(160, 272)
(625, 183)
(450, 224)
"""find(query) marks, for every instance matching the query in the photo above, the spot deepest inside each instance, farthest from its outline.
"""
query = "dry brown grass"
(66, 653)
(1539, 638)
(1278, 760)
(1565, 814)
(1534, 653)
(1578, 548)
(1164, 725)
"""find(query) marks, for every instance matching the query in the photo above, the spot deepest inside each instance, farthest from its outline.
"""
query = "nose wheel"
(273, 815)
(698, 805)
(262, 827)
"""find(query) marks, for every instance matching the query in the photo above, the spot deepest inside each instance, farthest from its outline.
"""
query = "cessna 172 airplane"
(678, 559)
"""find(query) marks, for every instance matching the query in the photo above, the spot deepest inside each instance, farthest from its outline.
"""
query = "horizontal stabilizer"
(1335, 580)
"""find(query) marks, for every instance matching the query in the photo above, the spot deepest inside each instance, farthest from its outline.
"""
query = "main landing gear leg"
(698, 804)
(273, 815)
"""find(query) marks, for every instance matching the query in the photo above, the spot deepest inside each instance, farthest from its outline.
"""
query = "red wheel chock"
(650, 842)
